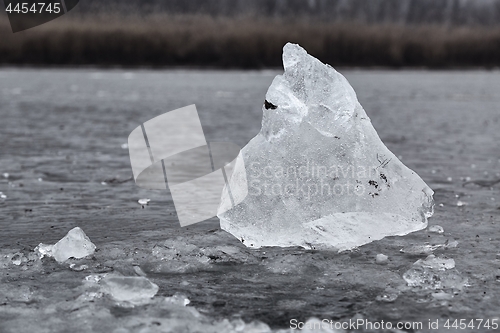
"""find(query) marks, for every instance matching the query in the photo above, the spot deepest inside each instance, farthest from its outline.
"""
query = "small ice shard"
(421, 249)
(75, 244)
(143, 202)
(427, 248)
(461, 203)
(89, 296)
(436, 229)
(17, 259)
(6, 175)
(381, 259)
(318, 174)
(434, 273)
(178, 299)
(133, 289)
(436, 263)
(2, 196)
(94, 278)
(138, 270)
(78, 268)
(388, 298)
(43, 250)
(389, 295)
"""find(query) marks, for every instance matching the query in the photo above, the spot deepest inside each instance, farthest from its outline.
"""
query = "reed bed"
(244, 42)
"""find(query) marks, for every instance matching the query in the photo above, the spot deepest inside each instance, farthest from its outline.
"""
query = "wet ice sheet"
(73, 143)
(200, 282)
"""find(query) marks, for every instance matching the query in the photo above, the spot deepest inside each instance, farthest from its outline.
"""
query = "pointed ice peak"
(293, 55)
(308, 91)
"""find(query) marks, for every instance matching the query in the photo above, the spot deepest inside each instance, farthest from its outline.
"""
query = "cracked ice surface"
(319, 175)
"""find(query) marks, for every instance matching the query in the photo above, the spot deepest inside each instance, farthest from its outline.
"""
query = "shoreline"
(199, 42)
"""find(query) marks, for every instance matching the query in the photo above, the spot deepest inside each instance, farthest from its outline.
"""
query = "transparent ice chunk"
(75, 244)
(318, 175)
(435, 273)
(133, 289)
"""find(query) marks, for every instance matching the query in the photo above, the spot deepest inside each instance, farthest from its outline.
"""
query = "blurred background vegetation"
(251, 33)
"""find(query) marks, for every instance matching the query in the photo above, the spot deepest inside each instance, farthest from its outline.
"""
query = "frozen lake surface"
(61, 137)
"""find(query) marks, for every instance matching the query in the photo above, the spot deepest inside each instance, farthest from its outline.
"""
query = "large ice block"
(318, 175)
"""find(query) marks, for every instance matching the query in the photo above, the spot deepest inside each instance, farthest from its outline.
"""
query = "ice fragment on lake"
(381, 259)
(75, 244)
(132, 289)
(178, 299)
(318, 173)
(434, 273)
(78, 268)
(427, 248)
(143, 202)
(436, 263)
(436, 229)
(389, 295)
(315, 325)
(17, 259)
(44, 250)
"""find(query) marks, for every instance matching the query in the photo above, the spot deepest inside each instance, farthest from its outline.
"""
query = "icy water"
(61, 136)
